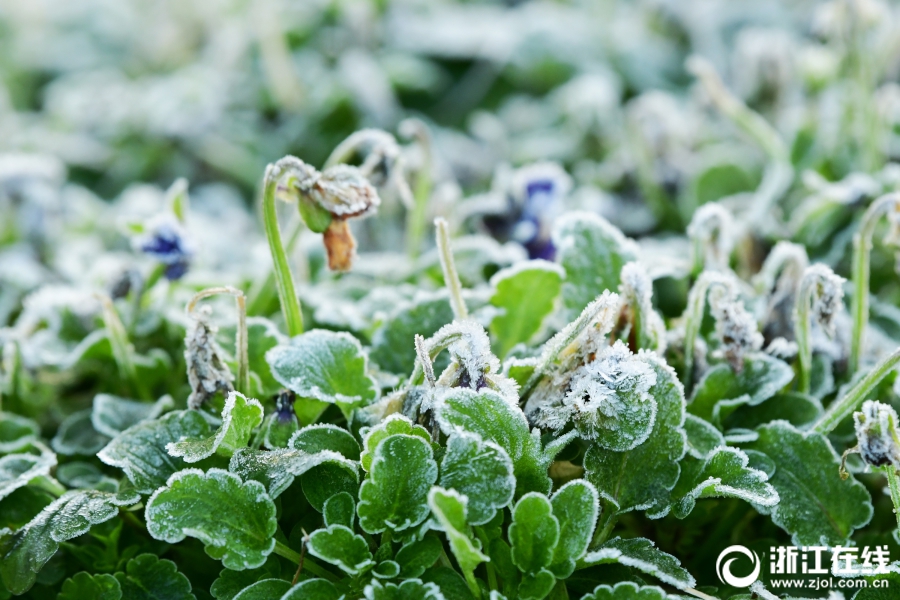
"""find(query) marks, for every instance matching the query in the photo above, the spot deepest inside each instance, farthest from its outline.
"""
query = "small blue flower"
(165, 240)
(284, 405)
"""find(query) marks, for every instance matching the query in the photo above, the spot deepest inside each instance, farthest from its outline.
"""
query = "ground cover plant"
(403, 374)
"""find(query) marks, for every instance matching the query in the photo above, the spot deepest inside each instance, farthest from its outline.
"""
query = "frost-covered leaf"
(340, 509)
(607, 400)
(526, 294)
(276, 469)
(140, 451)
(324, 436)
(702, 437)
(339, 546)
(797, 409)
(393, 424)
(324, 365)
(641, 479)
(235, 519)
(416, 556)
(533, 533)
(449, 508)
(495, 419)
(627, 590)
(643, 555)
(482, 471)
(395, 494)
(264, 589)
(722, 389)
(111, 415)
(312, 589)
(147, 577)
(392, 342)
(724, 474)
(82, 586)
(240, 417)
(262, 336)
(816, 506)
(576, 506)
(593, 253)
(26, 550)
(16, 432)
(412, 589)
(329, 478)
(230, 583)
(76, 436)
(16, 470)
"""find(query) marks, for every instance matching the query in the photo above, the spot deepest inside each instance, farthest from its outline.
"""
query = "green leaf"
(722, 389)
(312, 589)
(393, 347)
(340, 509)
(576, 506)
(482, 471)
(147, 577)
(533, 533)
(386, 569)
(262, 336)
(230, 583)
(240, 417)
(393, 424)
(642, 478)
(796, 408)
(536, 586)
(642, 554)
(395, 494)
(323, 481)
(26, 551)
(526, 293)
(449, 508)
(724, 474)
(276, 469)
(593, 253)
(235, 519)
(264, 589)
(140, 450)
(339, 546)
(412, 589)
(16, 432)
(82, 586)
(76, 436)
(816, 506)
(16, 470)
(702, 437)
(418, 555)
(324, 365)
(111, 415)
(494, 418)
(627, 590)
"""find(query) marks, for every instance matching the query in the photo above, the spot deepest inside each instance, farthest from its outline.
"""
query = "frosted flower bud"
(382, 160)
(165, 240)
(538, 190)
(207, 373)
(607, 400)
(827, 295)
(735, 327)
(636, 292)
(876, 432)
(712, 232)
(284, 405)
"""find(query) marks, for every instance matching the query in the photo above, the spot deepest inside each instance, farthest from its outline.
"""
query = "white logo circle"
(724, 571)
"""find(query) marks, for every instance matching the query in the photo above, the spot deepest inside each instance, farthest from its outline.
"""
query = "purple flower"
(165, 240)
(284, 405)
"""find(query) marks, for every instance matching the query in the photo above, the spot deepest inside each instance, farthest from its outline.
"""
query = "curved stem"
(307, 562)
(287, 295)
(862, 248)
(693, 318)
(802, 332)
(416, 218)
(894, 485)
(843, 408)
(451, 277)
(241, 341)
(122, 349)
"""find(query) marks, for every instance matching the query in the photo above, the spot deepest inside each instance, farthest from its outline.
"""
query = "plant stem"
(610, 518)
(843, 408)
(48, 484)
(122, 349)
(308, 564)
(287, 295)
(416, 218)
(260, 294)
(802, 332)
(693, 319)
(491, 574)
(451, 277)
(241, 338)
(894, 484)
(862, 249)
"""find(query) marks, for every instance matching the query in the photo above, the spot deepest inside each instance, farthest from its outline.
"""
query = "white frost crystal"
(712, 231)
(876, 432)
(827, 297)
(735, 327)
(607, 400)
(207, 373)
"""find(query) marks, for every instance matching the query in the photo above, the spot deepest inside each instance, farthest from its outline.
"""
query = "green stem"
(451, 276)
(491, 573)
(241, 338)
(609, 521)
(308, 564)
(843, 408)
(287, 295)
(802, 332)
(260, 294)
(894, 484)
(862, 248)
(416, 218)
(693, 319)
(122, 349)
(48, 484)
